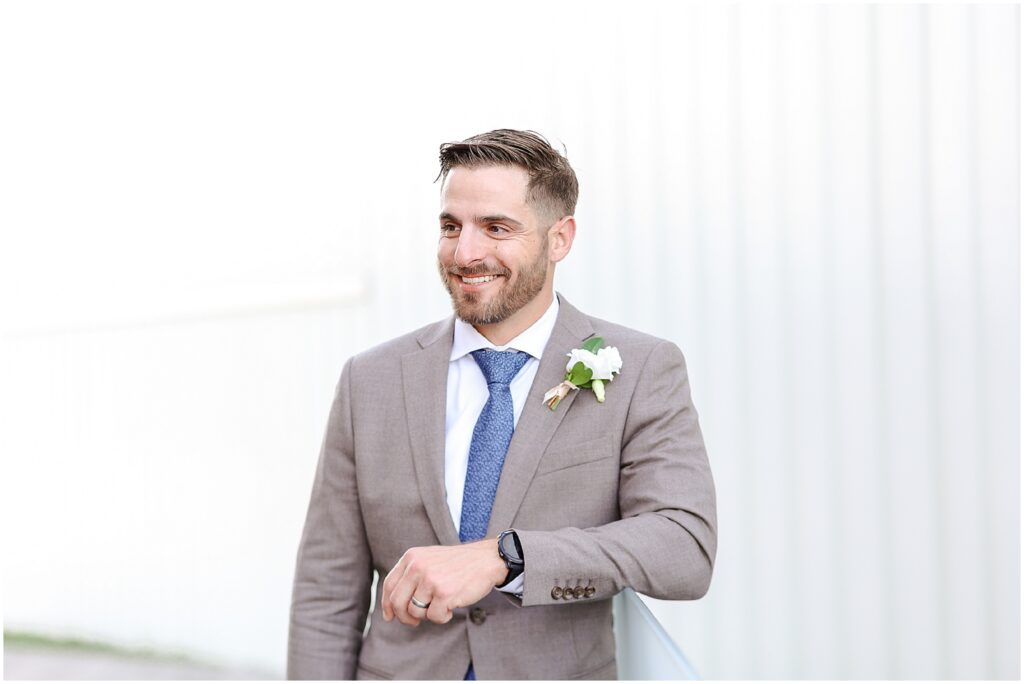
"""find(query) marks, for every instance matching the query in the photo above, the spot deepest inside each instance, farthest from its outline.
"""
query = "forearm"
(663, 555)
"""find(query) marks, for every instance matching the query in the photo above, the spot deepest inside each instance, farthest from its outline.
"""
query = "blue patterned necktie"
(491, 436)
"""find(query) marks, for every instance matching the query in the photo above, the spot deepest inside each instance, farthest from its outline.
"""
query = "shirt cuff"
(515, 586)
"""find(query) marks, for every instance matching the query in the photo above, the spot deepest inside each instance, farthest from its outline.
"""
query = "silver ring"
(419, 604)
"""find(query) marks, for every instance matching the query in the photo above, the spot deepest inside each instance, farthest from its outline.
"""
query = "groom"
(500, 528)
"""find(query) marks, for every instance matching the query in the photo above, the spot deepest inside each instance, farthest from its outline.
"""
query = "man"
(440, 442)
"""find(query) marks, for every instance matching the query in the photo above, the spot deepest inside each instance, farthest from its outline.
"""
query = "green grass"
(42, 641)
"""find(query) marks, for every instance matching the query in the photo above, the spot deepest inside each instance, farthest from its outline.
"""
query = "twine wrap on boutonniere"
(588, 368)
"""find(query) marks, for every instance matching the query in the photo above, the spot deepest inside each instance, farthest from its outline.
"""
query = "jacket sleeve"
(664, 544)
(331, 593)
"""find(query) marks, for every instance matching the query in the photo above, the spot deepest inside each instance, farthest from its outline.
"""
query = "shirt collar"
(532, 340)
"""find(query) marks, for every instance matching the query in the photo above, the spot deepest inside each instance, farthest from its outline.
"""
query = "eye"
(449, 228)
(497, 229)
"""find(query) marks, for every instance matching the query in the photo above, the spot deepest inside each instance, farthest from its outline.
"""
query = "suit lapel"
(537, 423)
(425, 386)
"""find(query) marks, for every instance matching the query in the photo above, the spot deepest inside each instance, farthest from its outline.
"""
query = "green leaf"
(593, 344)
(575, 372)
(580, 374)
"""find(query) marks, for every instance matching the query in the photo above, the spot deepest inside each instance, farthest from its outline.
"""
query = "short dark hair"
(552, 187)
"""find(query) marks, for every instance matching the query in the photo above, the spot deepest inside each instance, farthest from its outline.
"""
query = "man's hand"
(446, 577)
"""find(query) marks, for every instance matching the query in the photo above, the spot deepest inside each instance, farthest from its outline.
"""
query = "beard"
(512, 295)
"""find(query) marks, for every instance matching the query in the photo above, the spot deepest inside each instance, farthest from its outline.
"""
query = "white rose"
(612, 362)
(605, 362)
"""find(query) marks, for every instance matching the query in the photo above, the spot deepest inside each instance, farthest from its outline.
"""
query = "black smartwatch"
(512, 553)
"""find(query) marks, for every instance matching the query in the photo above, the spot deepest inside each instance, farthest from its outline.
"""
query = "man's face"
(493, 250)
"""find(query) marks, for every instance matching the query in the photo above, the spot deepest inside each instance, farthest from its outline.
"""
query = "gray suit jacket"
(602, 496)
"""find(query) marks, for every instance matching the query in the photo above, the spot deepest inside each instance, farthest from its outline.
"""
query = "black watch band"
(511, 552)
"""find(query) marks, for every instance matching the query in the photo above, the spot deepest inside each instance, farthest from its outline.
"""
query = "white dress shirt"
(467, 394)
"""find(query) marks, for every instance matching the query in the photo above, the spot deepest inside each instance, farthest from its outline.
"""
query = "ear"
(560, 237)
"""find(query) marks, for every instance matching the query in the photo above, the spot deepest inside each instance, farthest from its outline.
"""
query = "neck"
(504, 332)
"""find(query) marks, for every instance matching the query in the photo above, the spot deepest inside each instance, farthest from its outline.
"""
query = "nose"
(471, 247)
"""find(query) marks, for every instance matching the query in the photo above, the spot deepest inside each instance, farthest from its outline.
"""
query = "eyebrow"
(490, 218)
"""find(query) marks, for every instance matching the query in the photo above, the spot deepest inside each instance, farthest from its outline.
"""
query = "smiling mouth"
(477, 280)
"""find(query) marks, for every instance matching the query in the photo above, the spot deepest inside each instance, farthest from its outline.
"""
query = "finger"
(387, 589)
(417, 612)
(385, 597)
(438, 611)
(401, 597)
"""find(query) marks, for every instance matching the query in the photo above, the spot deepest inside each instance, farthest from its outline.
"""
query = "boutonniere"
(589, 367)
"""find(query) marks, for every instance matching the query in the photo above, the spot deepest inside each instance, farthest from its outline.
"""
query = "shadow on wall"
(29, 656)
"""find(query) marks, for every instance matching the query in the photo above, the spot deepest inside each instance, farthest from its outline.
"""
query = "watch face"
(509, 550)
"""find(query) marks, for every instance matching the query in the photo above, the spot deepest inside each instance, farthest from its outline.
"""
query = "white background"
(208, 206)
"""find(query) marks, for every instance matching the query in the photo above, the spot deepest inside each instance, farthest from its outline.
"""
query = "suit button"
(567, 594)
(578, 591)
(556, 593)
(478, 616)
(589, 591)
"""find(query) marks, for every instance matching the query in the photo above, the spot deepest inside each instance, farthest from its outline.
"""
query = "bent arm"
(664, 544)
(331, 593)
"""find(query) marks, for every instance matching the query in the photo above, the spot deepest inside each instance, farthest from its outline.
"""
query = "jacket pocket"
(589, 451)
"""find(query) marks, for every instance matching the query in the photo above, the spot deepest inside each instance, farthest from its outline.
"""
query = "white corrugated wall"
(214, 204)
